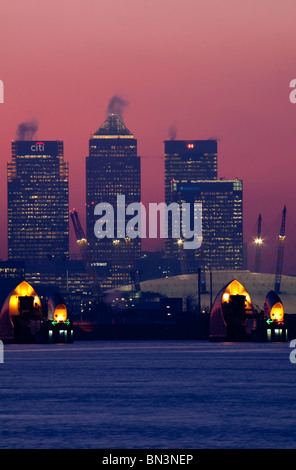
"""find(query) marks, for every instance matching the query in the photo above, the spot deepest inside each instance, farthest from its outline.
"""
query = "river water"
(148, 395)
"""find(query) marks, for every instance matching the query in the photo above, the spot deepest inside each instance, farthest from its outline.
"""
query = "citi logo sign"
(1, 92)
(38, 147)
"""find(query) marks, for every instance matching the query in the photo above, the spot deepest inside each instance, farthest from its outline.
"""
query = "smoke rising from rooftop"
(117, 105)
(27, 130)
(172, 132)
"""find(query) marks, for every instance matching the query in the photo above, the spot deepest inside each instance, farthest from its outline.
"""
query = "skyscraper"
(112, 168)
(187, 160)
(222, 222)
(38, 201)
(191, 176)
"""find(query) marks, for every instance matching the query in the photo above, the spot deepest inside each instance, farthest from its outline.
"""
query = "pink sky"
(212, 68)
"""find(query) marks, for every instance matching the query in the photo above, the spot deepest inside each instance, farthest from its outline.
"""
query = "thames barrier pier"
(35, 315)
(23, 318)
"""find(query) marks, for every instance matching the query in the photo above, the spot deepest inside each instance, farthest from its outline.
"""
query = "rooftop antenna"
(280, 253)
(258, 243)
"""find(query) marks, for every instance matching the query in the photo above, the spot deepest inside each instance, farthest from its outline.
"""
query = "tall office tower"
(38, 201)
(222, 222)
(187, 160)
(112, 168)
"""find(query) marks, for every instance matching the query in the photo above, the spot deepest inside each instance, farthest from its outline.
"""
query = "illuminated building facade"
(112, 168)
(187, 160)
(12, 270)
(38, 201)
(222, 222)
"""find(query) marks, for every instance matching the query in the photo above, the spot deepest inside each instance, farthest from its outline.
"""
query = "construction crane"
(85, 253)
(280, 253)
(258, 243)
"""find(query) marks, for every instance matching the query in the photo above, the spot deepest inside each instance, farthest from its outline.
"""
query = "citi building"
(38, 201)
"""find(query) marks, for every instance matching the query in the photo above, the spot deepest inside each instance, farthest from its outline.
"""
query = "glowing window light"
(226, 297)
(60, 313)
(277, 312)
(190, 146)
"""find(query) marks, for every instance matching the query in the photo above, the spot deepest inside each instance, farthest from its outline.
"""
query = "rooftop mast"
(280, 253)
(258, 242)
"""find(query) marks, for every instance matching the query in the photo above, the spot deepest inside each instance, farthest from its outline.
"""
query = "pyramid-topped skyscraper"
(113, 138)
(112, 168)
(113, 126)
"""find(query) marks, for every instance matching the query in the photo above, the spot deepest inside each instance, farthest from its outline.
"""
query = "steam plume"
(27, 130)
(214, 138)
(172, 132)
(117, 105)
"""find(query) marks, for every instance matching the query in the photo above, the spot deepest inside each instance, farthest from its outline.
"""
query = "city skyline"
(228, 84)
(148, 227)
(30, 129)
